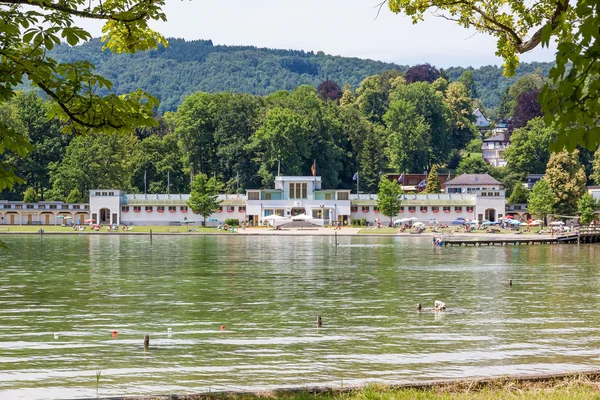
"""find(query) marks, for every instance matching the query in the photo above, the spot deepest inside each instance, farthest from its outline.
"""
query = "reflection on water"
(266, 292)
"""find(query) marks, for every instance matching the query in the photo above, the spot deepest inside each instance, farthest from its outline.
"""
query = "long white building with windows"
(477, 197)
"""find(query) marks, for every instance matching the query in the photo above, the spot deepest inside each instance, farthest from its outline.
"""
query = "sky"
(348, 28)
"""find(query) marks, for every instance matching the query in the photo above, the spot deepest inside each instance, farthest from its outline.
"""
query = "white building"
(481, 122)
(477, 197)
(493, 149)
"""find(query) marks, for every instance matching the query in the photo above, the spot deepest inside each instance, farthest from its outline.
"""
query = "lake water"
(267, 292)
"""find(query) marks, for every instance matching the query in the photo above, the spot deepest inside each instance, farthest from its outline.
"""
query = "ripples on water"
(267, 291)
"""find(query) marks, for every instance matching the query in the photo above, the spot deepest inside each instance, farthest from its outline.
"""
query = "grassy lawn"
(555, 390)
(138, 229)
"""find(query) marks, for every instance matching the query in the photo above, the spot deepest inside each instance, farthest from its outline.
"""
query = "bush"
(232, 222)
(359, 222)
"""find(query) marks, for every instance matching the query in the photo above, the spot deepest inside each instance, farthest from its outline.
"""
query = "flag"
(422, 184)
(313, 169)
(401, 178)
(355, 177)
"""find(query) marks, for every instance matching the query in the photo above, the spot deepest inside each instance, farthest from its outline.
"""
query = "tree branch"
(76, 12)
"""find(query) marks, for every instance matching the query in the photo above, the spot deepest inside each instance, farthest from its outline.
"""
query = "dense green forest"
(393, 122)
(186, 67)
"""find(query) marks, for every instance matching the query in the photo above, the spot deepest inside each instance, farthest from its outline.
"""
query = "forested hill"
(186, 67)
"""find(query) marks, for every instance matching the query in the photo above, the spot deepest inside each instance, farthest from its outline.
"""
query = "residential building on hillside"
(481, 121)
(491, 200)
(493, 149)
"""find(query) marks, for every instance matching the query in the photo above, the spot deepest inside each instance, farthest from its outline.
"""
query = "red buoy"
(222, 327)
(114, 334)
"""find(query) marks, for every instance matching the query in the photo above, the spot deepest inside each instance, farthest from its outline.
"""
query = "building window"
(172, 209)
(298, 190)
(483, 193)
(267, 196)
(148, 208)
(41, 207)
(354, 209)
(446, 209)
(242, 209)
(230, 208)
(458, 209)
(220, 209)
(342, 195)
(111, 193)
(30, 206)
(497, 194)
(470, 209)
(490, 194)
(19, 206)
(435, 209)
(97, 193)
(423, 209)
(76, 207)
(53, 206)
(365, 209)
(412, 209)
(160, 209)
(253, 196)
(125, 209)
(64, 207)
(137, 208)
(104, 193)
(401, 209)
(376, 209)
(184, 209)
(327, 196)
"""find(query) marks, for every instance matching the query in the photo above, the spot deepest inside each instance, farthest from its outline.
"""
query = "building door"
(12, 219)
(104, 216)
(81, 219)
(29, 219)
(114, 218)
(490, 214)
(47, 219)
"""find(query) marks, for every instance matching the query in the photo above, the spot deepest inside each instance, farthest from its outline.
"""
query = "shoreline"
(461, 385)
(307, 232)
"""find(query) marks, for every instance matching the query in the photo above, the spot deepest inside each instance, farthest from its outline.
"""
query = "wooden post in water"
(510, 282)
(336, 242)
(146, 342)
(150, 235)
(319, 322)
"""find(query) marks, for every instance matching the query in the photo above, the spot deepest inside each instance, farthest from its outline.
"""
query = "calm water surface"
(267, 292)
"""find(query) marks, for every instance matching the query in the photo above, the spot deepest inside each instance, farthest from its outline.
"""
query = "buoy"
(169, 330)
(56, 336)
(319, 322)
(222, 327)
(510, 282)
(114, 334)
(146, 341)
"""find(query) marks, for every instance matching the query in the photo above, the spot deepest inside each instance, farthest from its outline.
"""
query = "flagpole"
(145, 182)
(168, 182)
(357, 180)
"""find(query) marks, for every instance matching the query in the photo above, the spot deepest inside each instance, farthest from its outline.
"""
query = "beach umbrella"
(515, 222)
(413, 219)
(272, 217)
(68, 217)
(556, 223)
(89, 220)
(300, 217)
(471, 222)
(213, 220)
(459, 219)
(418, 224)
(187, 221)
(534, 223)
(509, 217)
(399, 221)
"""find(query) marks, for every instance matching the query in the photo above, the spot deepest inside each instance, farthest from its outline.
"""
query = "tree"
(566, 177)
(526, 109)
(541, 199)
(74, 196)
(529, 149)
(595, 175)
(433, 181)
(330, 90)
(473, 165)
(467, 79)
(461, 118)
(422, 73)
(98, 160)
(570, 99)
(371, 161)
(587, 206)
(204, 196)
(388, 198)
(33, 28)
(13, 143)
(371, 98)
(519, 195)
(30, 196)
(283, 138)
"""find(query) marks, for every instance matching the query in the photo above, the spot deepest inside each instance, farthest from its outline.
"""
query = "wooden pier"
(583, 234)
